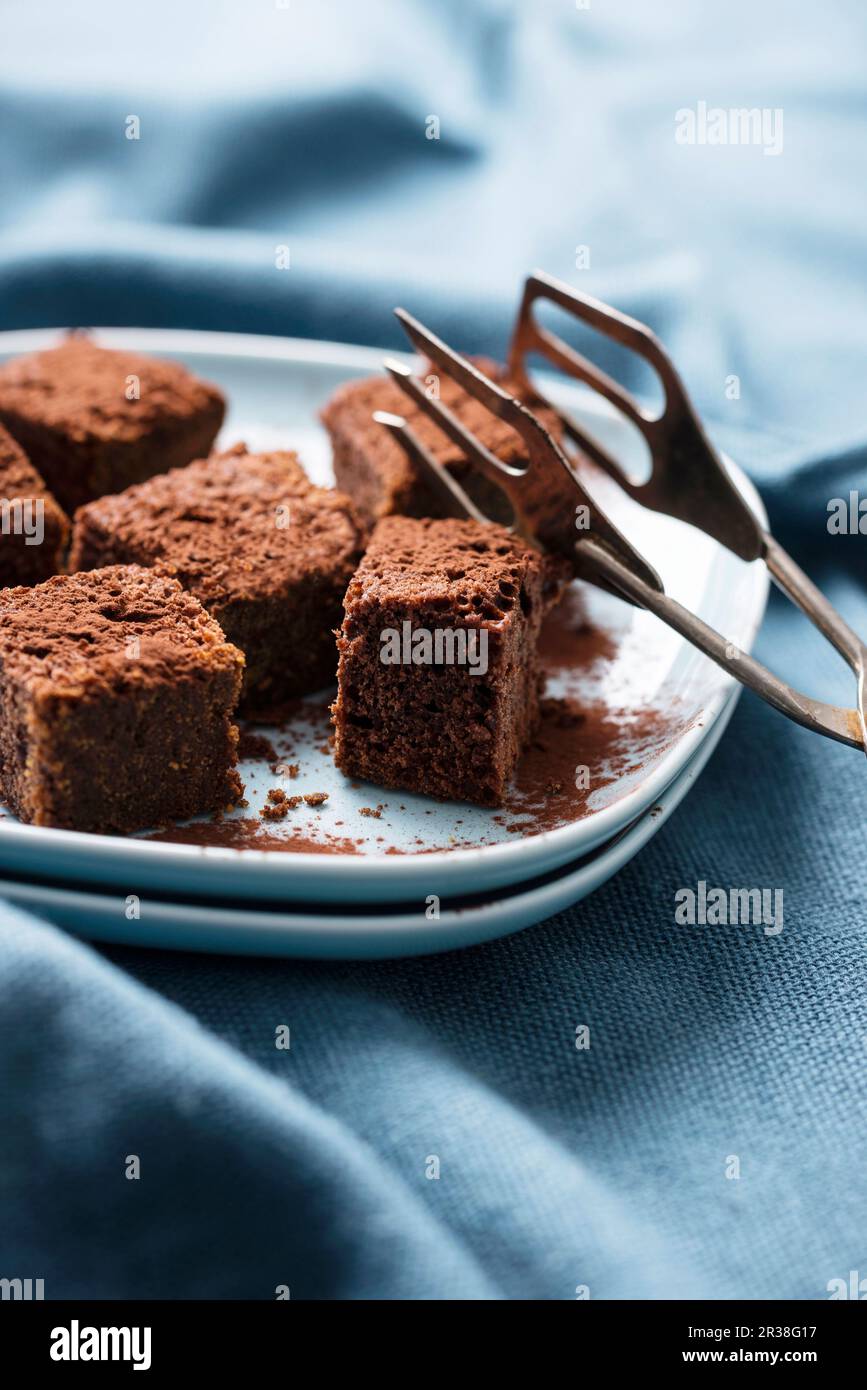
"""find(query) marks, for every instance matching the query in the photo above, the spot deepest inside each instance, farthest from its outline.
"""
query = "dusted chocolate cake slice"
(438, 681)
(93, 420)
(372, 467)
(116, 698)
(267, 553)
(33, 528)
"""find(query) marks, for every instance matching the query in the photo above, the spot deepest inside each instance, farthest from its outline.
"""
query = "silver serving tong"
(689, 481)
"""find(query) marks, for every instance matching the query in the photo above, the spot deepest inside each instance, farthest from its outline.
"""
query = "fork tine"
(546, 492)
(487, 392)
(490, 465)
(593, 449)
(449, 491)
(688, 479)
(529, 336)
(576, 364)
(474, 382)
(615, 325)
(561, 353)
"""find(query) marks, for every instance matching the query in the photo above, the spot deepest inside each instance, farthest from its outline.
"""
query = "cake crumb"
(278, 804)
(316, 798)
(373, 811)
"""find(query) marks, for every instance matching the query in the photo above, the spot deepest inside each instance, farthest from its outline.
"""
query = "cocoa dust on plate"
(578, 751)
(569, 640)
(581, 747)
(249, 833)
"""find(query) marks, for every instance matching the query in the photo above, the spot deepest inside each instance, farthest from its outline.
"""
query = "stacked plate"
(367, 873)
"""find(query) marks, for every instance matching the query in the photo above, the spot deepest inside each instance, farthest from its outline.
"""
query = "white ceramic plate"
(325, 933)
(660, 697)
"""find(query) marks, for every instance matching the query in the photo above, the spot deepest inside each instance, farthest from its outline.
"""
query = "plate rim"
(404, 936)
(357, 871)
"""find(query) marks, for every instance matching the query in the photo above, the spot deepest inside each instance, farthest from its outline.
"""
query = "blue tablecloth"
(714, 1051)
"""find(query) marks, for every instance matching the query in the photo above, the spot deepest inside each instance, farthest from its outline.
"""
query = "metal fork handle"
(798, 586)
(844, 725)
(812, 602)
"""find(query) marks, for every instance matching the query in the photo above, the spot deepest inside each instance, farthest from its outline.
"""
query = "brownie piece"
(372, 467)
(409, 712)
(267, 553)
(33, 529)
(70, 410)
(116, 698)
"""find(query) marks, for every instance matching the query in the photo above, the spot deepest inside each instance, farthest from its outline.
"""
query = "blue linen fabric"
(562, 1171)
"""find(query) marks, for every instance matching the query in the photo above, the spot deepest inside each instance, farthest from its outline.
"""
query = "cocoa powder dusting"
(579, 750)
(568, 641)
(249, 833)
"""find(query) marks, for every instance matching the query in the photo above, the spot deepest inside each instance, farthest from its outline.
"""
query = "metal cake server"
(689, 481)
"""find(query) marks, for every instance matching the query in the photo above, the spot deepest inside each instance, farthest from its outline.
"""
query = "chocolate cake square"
(116, 698)
(438, 678)
(93, 420)
(267, 553)
(33, 528)
(372, 467)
